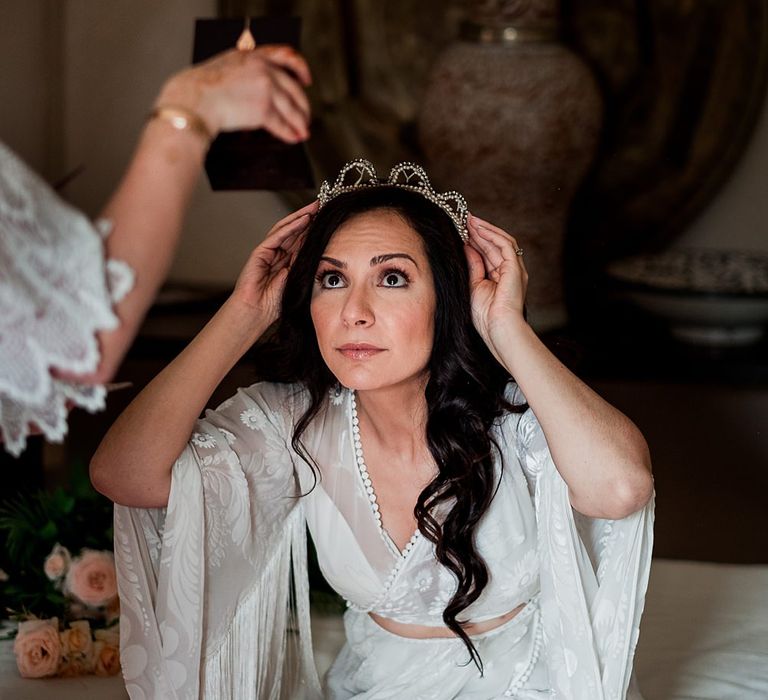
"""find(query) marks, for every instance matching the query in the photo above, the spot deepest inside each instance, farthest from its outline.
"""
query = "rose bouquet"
(66, 605)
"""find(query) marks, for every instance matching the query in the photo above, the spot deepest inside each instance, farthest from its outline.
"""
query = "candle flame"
(246, 42)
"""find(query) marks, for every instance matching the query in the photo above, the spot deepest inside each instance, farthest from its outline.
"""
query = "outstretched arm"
(235, 90)
(599, 452)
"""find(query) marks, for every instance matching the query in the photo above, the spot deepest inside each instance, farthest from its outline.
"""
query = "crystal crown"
(360, 173)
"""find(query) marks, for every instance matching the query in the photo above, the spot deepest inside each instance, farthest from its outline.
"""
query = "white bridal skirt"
(375, 664)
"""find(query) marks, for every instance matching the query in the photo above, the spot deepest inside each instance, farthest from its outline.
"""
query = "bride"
(486, 516)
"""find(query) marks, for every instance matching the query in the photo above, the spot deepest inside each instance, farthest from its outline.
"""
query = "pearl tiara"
(359, 173)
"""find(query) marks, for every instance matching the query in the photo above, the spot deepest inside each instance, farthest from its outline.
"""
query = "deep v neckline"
(366, 483)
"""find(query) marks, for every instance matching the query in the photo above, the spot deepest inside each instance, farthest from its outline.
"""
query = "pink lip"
(359, 351)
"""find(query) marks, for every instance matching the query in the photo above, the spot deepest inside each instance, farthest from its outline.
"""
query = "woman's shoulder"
(272, 397)
(262, 406)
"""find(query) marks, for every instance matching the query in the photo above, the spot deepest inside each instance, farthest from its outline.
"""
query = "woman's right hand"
(262, 280)
(261, 88)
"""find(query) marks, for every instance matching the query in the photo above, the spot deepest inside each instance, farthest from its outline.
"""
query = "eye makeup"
(323, 275)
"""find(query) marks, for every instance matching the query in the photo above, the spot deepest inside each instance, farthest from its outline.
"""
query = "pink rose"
(91, 578)
(37, 648)
(57, 562)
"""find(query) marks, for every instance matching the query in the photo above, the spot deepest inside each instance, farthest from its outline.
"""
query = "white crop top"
(361, 562)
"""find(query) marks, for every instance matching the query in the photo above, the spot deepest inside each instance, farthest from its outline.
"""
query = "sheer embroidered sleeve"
(594, 575)
(205, 583)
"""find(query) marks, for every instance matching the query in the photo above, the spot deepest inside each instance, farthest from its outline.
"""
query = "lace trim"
(367, 484)
(533, 657)
(56, 294)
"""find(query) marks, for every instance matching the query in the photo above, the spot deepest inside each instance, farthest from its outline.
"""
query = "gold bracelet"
(182, 118)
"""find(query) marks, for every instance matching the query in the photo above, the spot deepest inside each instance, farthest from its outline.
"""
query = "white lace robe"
(56, 293)
(206, 584)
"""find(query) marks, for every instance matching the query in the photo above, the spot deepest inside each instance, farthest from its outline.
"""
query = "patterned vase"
(511, 118)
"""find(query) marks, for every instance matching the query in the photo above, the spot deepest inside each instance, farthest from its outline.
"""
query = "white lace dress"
(205, 584)
(56, 293)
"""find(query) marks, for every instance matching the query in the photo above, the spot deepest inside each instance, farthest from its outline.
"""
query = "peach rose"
(79, 639)
(73, 666)
(106, 659)
(112, 612)
(77, 651)
(37, 648)
(57, 562)
(91, 578)
(108, 635)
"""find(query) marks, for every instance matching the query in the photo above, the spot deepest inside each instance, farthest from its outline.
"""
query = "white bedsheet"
(704, 633)
(704, 637)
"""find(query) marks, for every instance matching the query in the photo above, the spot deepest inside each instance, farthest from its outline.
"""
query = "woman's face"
(373, 302)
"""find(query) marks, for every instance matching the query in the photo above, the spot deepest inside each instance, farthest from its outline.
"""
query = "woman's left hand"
(497, 277)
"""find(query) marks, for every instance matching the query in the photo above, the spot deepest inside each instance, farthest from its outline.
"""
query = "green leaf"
(60, 503)
(56, 598)
(80, 482)
(49, 531)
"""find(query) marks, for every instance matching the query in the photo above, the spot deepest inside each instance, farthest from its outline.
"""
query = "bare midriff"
(428, 632)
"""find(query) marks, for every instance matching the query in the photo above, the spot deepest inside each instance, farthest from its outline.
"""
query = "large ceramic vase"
(511, 119)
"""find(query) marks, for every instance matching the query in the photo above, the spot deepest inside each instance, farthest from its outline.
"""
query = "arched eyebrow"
(376, 260)
(389, 256)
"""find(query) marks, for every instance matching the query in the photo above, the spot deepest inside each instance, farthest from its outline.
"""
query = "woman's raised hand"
(497, 277)
(262, 88)
(261, 282)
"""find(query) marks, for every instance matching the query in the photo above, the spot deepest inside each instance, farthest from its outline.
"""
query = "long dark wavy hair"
(464, 392)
